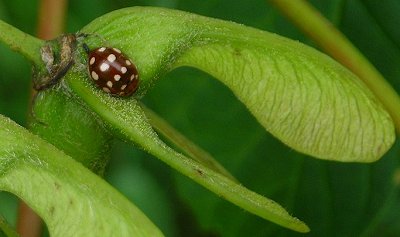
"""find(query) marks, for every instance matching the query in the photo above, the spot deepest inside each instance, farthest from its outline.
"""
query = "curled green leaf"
(301, 96)
(71, 200)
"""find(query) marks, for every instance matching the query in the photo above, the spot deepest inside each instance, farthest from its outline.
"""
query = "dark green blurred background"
(334, 199)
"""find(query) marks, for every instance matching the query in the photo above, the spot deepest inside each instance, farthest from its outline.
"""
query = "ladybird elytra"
(112, 71)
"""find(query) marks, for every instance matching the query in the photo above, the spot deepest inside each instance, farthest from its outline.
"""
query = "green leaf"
(301, 96)
(71, 200)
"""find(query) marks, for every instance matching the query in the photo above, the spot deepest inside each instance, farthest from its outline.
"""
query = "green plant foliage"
(62, 191)
(301, 96)
(241, 58)
(333, 199)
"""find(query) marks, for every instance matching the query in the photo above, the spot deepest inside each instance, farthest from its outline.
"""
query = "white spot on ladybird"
(111, 58)
(94, 75)
(123, 70)
(92, 60)
(128, 62)
(132, 77)
(101, 49)
(117, 77)
(123, 87)
(104, 67)
(117, 50)
(106, 89)
(109, 84)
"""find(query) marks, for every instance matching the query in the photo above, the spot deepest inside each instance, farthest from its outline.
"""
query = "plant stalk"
(318, 28)
(21, 42)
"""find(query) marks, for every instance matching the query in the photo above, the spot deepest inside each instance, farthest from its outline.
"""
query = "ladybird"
(112, 71)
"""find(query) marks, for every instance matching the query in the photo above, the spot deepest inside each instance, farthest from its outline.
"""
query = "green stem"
(6, 228)
(187, 146)
(317, 27)
(21, 42)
